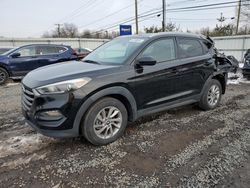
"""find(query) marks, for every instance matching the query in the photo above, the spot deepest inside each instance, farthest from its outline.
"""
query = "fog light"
(50, 115)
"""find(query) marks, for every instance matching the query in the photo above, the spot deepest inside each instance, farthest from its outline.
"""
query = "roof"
(37, 44)
(167, 34)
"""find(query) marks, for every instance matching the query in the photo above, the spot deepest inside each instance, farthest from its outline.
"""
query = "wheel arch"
(5, 68)
(221, 77)
(118, 92)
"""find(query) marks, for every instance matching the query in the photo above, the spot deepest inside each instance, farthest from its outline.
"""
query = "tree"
(69, 30)
(205, 31)
(152, 29)
(46, 35)
(223, 30)
(86, 34)
(169, 27)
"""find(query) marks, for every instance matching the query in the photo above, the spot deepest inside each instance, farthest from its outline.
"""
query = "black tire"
(246, 77)
(204, 101)
(87, 126)
(4, 76)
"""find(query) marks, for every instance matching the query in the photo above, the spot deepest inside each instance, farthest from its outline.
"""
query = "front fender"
(116, 90)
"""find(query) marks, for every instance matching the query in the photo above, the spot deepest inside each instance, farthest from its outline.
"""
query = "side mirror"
(146, 61)
(15, 55)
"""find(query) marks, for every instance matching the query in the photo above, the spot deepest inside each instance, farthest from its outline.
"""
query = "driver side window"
(27, 51)
(161, 50)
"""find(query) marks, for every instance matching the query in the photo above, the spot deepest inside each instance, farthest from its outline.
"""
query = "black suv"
(122, 80)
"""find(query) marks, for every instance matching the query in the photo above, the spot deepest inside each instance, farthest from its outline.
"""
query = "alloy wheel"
(213, 95)
(2, 76)
(107, 122)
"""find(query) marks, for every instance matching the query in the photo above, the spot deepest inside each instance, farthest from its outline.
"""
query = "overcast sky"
(31, 18)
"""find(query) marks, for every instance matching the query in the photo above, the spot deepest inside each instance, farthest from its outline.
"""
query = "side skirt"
(167, 106)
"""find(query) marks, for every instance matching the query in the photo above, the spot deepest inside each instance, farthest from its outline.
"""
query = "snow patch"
(241, 65)
(236, 78)
(23, 144)
(12, 84)
(22, 161)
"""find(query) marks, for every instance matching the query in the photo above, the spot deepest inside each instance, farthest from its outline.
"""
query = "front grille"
(27, 98)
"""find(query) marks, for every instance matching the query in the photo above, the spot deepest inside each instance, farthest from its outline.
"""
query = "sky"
(31, 18)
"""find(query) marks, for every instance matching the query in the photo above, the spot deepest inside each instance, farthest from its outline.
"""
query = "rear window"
(189, 48)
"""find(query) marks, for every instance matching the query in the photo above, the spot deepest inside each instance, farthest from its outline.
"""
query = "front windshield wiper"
(91, 61)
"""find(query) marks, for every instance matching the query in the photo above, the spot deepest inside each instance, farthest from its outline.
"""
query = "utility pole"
(163, 15)
(58, 29)
(221, 19)
(136, 17)
(238, 17)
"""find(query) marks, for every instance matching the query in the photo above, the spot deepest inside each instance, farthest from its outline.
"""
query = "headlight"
(63, 87)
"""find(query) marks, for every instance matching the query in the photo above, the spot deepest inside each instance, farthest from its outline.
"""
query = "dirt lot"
(184, 147)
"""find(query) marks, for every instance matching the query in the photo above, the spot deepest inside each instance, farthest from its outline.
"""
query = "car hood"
(61, 72)
(2, 57)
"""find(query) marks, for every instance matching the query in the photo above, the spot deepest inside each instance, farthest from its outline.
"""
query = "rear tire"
(246, 77)
(105, 121)
(211, 96)
(4, 76)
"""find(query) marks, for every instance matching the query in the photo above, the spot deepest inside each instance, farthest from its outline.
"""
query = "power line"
(194, 8)
(109, 15)
(76, 11)
(92, 4)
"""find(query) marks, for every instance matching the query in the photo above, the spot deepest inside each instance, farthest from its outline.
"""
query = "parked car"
(82, 52)
(246, 67)
(234, 63)
(17, 62)
(124, 79)
(4, 49)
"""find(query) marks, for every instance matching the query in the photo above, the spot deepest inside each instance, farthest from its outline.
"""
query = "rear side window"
(60, 49)
(161, 50)
(189, 48)
(46, 50)
(207, 46)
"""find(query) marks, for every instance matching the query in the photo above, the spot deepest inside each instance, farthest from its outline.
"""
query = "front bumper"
(69, 133)
(33, 105)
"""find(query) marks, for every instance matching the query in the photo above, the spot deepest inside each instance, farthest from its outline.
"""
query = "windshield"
(115, 52)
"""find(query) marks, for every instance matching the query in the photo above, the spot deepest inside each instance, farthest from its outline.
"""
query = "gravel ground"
(184, 147)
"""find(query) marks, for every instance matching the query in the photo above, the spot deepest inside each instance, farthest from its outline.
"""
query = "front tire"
(105, 121)
(4, 76)
(211, 96)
